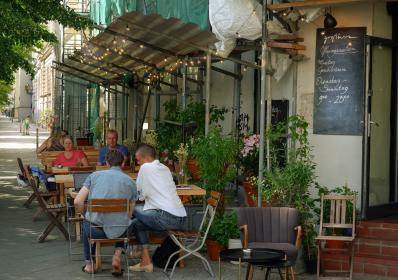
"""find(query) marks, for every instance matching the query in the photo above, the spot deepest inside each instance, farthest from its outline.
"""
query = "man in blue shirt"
(111, 141)
(107, 184)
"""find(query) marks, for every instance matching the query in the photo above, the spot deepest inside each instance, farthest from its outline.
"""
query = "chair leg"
(98, 260)
(292, 273)
(38, 212)
(287, 273)
(249, 271)
(29, 200)
(60, 226)
(77, 229)
(351, 259)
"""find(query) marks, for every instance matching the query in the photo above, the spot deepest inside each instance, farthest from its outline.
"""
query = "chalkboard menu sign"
(339, 81)
(279, 112)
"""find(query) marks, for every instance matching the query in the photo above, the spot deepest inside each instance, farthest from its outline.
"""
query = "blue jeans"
(152, 220)
(96, 233)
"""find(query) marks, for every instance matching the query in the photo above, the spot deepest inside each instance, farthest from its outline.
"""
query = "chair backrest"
(108, 205)
(21, 167)
(210, 212)
(269, 224)
(340, 217)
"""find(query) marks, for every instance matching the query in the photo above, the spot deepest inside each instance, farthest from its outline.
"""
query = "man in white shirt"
(163, 208)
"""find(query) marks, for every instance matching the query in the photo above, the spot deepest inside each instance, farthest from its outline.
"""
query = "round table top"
(257, 256)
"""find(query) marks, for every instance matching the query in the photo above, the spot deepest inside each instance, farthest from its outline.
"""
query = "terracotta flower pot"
(193, 169)
(251, 194)
(213, 249)
(335, 244)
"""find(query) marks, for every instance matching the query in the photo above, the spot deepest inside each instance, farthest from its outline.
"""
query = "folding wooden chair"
(338, 220)
(55, 213)
(191, 242)
(27, 173)
(108, 206)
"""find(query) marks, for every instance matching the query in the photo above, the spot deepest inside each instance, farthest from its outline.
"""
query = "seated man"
(163, 208)
(107, 184)
(111, 141)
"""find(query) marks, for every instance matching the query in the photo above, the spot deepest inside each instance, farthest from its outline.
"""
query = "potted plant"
(170, 133)
(182, 156)
(289, 181)
(216, 157)
(221, 231)
(248, 159)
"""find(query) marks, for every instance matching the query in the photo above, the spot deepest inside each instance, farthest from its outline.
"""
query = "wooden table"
(66, 181)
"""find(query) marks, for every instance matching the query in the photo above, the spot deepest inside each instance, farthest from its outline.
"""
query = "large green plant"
(169, 136)
(289, 180)
(224, 228)
(216, 155)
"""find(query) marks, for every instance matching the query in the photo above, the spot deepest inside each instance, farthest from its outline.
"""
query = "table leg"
(219, 268)
(267, 273)
(280, 273)
(240, 269)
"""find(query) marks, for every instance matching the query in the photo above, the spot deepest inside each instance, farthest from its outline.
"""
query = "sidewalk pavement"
(22, 257)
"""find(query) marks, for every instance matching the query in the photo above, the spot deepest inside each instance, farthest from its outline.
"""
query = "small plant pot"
(213, 249)
(334, 244)
(193, 169)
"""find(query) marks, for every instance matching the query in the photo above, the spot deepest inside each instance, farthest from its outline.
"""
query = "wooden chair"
(27, 174)
(108, 206)
(55, 213)
(340, 220)
(191, 242)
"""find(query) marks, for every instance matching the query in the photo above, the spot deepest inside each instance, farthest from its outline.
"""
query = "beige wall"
(338, 158)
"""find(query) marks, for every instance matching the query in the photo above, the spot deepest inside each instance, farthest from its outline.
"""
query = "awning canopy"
(135, 42)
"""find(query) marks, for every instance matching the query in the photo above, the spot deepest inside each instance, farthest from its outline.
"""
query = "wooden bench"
(48, 157)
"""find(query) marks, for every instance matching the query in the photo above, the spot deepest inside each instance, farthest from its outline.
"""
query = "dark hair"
(114, 158)
(65, 131)
(146, 150)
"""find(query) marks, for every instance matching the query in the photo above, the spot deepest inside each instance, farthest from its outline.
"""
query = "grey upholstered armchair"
(272, 228)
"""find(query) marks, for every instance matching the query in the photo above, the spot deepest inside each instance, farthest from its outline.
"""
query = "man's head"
(114, 158)
(145, 153)
(111, 138)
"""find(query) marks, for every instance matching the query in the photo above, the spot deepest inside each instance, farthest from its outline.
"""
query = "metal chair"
(271, 228)
(338, 219)
(191, 242)
(107, 207)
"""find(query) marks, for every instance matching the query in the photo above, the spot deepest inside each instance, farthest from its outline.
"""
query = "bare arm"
(80, 199)
(132, 205)
(84, 161)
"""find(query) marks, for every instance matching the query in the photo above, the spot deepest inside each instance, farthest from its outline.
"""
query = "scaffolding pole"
(207, 88)
(264, 51)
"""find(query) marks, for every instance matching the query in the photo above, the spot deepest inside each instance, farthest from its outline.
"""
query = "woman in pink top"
(70, 157)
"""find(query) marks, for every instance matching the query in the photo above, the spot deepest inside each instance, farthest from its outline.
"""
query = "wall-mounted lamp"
(330, 21)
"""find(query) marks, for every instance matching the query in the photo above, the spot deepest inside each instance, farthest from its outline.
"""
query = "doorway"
(380, 195)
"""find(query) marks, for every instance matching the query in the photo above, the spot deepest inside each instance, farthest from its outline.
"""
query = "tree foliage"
(23, 27)
(5, 89)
